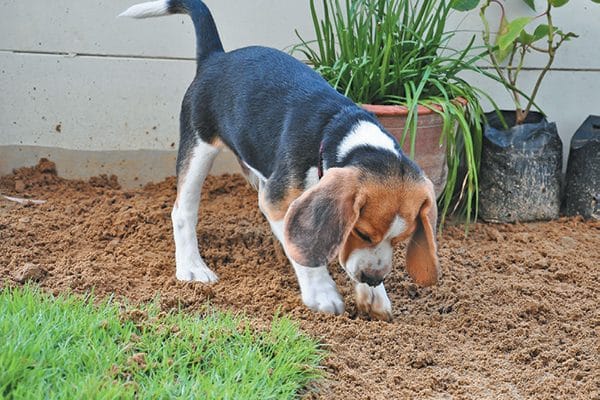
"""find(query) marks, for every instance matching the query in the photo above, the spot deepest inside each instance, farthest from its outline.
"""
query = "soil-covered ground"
(515, 316)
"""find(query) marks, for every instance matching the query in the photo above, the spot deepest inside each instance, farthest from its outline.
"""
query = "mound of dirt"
(515, 315)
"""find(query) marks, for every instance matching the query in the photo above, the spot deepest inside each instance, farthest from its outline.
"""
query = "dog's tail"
(207, 36)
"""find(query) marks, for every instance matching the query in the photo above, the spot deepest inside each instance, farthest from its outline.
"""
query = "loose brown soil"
(516, 315)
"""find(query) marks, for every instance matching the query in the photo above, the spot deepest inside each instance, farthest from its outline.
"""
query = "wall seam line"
(167, 58)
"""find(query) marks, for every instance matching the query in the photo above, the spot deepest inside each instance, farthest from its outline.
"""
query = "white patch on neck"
(397, 227)
(312, 177)
(365, 134)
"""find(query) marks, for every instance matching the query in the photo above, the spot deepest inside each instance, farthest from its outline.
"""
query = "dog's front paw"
(323, 297)
(373, 301)
(318, 290)
(197, 271)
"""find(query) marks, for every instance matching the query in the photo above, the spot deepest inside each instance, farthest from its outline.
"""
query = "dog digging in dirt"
(331, 181)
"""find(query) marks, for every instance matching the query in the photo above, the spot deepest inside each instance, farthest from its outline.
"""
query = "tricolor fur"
(286, 125)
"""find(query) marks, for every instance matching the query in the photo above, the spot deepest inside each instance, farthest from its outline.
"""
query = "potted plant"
(393, 57)
(521, 166)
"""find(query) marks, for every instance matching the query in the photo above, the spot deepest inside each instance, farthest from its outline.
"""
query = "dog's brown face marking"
(384, 202)
(360, 217)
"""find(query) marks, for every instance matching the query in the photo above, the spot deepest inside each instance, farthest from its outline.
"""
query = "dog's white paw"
(318, 290)
(197, 271)
(373, 301)
(323, 297)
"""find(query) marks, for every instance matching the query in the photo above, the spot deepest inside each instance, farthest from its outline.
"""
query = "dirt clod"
(138, 359)
(29, 272)
(422, 360)
(19, 186)
(46, 166)
(105, 181)
(515, 315)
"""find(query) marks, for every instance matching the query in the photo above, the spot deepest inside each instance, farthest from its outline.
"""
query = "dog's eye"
(362, 235)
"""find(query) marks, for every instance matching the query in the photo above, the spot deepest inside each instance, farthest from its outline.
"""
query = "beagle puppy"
(331, 181)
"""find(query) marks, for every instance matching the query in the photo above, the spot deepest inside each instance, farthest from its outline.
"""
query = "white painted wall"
(73, 76)
(112, 83)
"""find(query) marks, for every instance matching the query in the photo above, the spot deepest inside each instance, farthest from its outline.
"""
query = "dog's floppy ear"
(319, 221)
(421, 255)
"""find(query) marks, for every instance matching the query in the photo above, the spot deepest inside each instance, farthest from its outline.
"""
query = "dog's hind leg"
(193, 164)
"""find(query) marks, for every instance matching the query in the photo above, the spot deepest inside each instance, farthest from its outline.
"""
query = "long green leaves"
(397, 52)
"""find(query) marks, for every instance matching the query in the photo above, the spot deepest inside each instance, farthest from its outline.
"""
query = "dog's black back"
(274, 103)
(269, 98)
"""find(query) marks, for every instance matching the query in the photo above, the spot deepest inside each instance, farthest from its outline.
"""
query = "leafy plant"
(513, 42)
(397, 52)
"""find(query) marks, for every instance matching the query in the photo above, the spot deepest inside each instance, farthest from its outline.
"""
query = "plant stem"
(551, 54)
(513, 75)
(520, 113)
(509, 69)
(540, 50)
(487, 42)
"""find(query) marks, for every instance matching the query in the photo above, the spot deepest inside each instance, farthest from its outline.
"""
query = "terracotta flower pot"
(430, 155)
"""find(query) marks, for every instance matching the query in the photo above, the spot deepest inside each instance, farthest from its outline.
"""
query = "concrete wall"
(571, 91)
(78, 82)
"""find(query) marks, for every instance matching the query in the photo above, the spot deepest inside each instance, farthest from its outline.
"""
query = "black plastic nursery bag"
(582, 192)
(520, 175)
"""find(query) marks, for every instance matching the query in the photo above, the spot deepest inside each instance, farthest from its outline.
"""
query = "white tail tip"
(147, 10)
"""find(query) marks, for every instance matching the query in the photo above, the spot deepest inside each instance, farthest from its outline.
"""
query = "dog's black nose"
(371, 280)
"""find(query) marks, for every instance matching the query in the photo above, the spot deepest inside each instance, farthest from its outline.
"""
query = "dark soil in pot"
(520, 174)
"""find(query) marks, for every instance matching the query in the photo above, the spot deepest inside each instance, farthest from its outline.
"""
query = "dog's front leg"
(318, 290)
(373, 301)
(193, 167)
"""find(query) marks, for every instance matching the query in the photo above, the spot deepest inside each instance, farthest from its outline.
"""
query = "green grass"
(68, 347)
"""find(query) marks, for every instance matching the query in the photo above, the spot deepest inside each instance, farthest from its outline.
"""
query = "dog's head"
(360, 216)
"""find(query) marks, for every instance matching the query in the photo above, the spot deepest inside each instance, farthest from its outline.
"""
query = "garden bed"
(515, 315)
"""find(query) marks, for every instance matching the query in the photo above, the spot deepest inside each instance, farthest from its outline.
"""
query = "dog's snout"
(371, 279)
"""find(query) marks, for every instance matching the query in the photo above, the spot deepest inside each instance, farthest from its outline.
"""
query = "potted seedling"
(393, 57)
(521, 160)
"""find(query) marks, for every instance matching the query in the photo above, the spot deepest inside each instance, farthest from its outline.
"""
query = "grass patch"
(67, 347)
